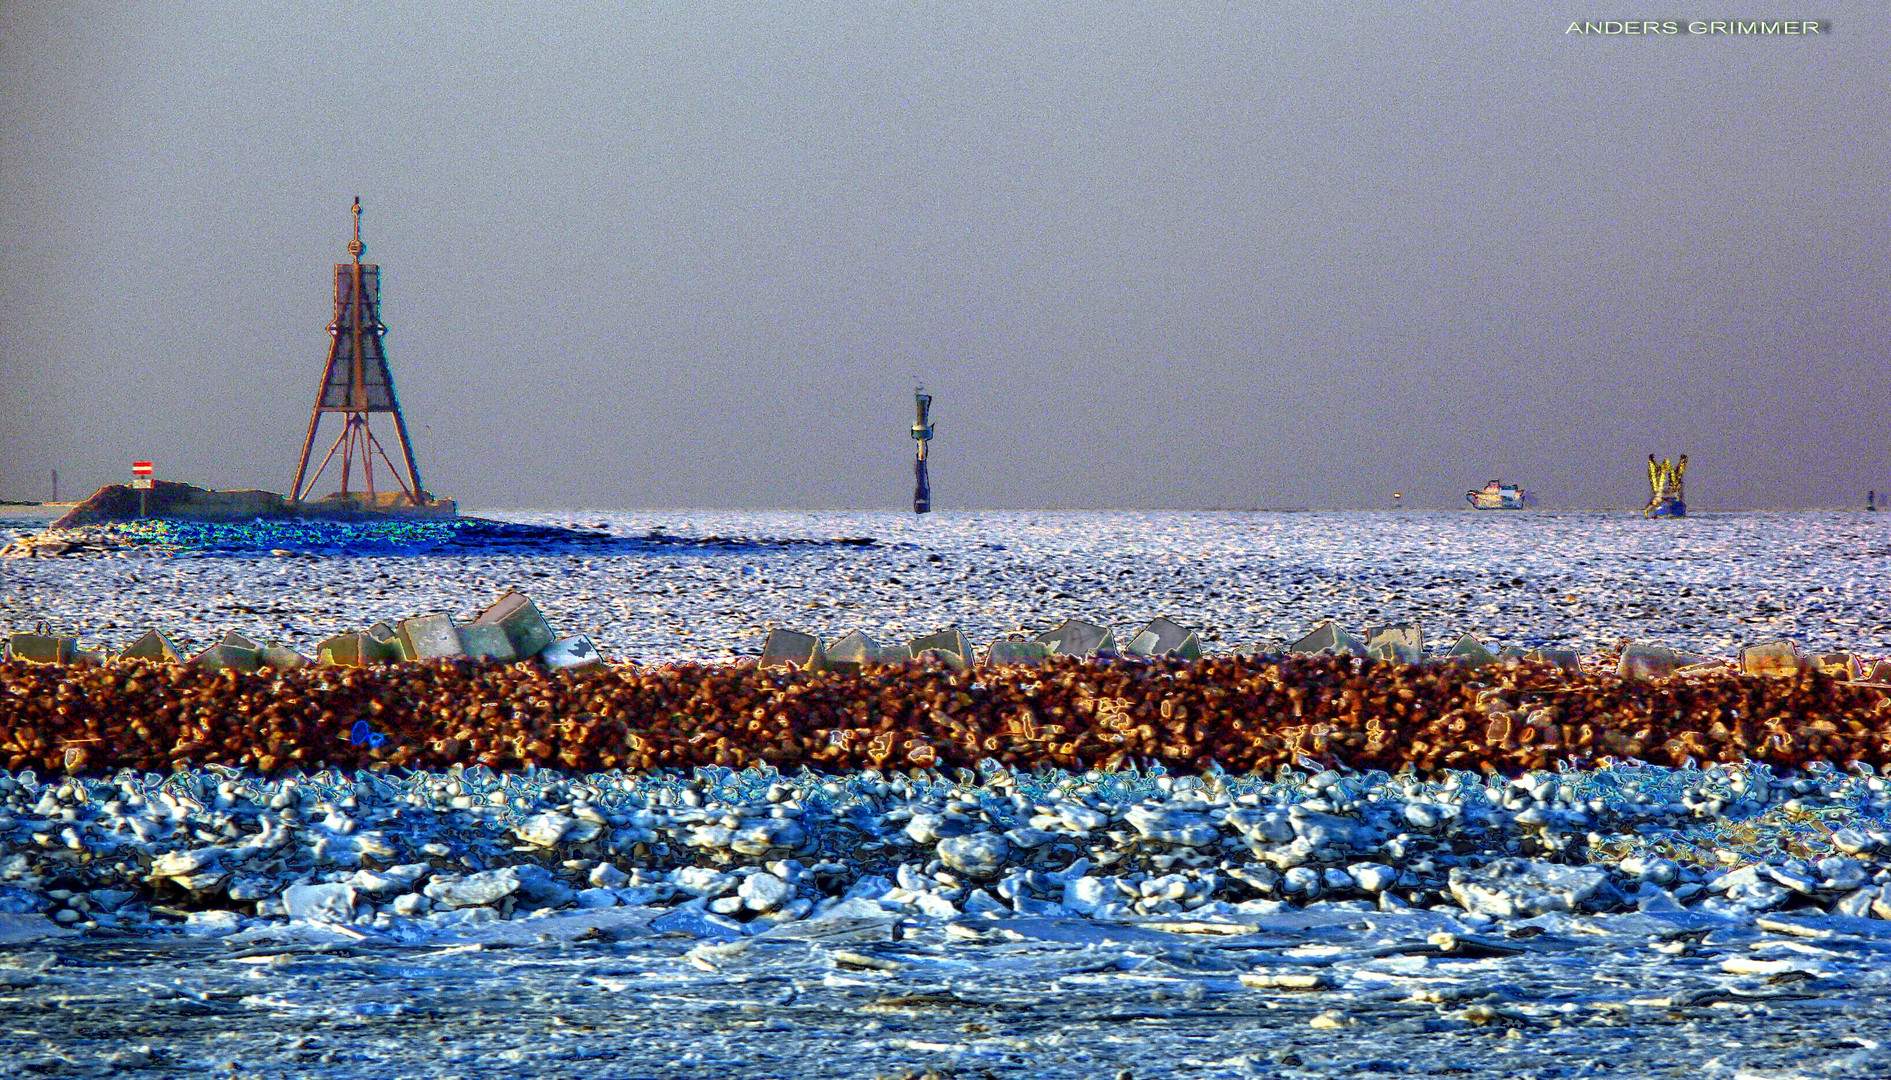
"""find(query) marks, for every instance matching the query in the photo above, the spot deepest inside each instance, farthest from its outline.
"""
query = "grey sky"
(1145, 255)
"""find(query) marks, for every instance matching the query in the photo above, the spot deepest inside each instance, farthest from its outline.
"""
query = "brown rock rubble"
(1242, 713)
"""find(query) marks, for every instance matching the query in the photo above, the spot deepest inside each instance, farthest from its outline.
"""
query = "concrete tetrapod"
(153, 645)
(1641, 660)
(1470, 652)
(1074, 637)
(42, 648)
(429, 637)
(948, 645)
(524, 626)
(1327, 637)
(1770, 658)
(1011, 651)
(487, 642)
(1165, 637)
(570, 653)
(853, 653)
(1402, 643)
(792, 649)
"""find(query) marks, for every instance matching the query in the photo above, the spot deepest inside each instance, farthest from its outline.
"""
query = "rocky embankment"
(1244, 714)
(733, 853)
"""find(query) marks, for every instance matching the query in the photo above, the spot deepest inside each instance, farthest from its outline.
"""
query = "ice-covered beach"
(1725, 923)
(1585, 580)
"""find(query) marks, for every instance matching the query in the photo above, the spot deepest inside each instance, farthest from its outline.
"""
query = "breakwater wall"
(1243, 714)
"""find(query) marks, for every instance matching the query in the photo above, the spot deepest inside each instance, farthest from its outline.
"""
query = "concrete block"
(154, 645)
(1842, 666)
(1644, 661)
(1074, 637)
(236, 640)
(218, 657)
(1566, 659)
(1401, 643)
(281, 658)
(1880, 673)
(1163, 637)
(429, 637)
(525, 627)
(949, 643)
(1470, 652)
(1771, 658)
(570, 654)
(1190, 648)
(488, 642)
(355, 650)
(792, 649)
(853, 653)
(90, 657)
(1016, 653)
(42, 648)
(1329, 638)
(949, 659)
(1641, 660)
(381, 650)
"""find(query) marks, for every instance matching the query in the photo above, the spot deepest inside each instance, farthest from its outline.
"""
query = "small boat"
(1498, 495)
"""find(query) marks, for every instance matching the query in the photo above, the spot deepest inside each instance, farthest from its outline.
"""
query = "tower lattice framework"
(356, 383)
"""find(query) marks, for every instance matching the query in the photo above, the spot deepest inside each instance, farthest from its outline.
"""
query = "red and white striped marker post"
(141, 474)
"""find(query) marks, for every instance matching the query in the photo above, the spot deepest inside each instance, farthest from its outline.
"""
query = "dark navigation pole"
(922, 430)
(357, 382)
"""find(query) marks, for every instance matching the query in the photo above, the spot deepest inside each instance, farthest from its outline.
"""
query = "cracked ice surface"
(1300, 994)
(1707, 584)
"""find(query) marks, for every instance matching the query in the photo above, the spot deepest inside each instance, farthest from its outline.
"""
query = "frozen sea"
(1331, 989)
(712, 582)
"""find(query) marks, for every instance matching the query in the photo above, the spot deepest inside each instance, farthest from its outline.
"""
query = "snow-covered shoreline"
(1584, 581)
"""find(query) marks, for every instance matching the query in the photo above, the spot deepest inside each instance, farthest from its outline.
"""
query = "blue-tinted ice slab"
(692, 919)
(18, 928)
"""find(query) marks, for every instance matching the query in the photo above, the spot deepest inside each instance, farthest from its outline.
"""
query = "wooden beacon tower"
(357, 382)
